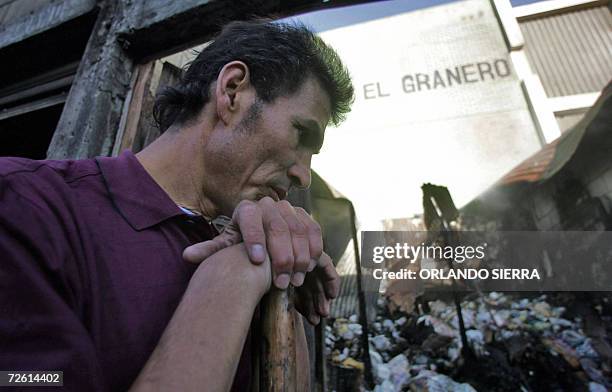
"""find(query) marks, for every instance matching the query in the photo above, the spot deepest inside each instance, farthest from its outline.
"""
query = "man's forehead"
(313, 103)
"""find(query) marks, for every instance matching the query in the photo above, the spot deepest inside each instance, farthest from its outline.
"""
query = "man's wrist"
(232, 267)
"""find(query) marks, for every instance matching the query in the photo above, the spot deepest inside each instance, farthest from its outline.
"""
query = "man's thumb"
(199, 252)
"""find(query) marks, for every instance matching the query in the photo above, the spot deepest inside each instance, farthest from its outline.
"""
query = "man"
(92, 280)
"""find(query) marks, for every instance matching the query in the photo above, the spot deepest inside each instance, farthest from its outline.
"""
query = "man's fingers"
(202, 250)
(315, 240)
(248, 217)
(321, 301)
(288, 235)
(329, 276)
(308, 307)
(278, 240)
(300, 301)
(299, 241)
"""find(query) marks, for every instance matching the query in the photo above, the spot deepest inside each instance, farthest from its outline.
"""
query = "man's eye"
(301, 135)
(307, 138)
(304, 137)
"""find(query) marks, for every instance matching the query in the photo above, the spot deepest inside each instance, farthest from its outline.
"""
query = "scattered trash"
(521, 344)
(399, 371)
(594, 387)
(381, 342)
(429, 381)
(350, 362)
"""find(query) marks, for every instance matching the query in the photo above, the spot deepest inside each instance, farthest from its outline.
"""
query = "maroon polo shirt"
(90, 269)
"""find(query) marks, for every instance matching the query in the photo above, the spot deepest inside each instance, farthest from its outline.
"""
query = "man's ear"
(232, 82)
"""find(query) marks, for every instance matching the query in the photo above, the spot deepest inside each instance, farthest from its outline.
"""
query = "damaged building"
(527, 85)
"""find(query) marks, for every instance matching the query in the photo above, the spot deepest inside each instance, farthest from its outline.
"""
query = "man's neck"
(169, 160)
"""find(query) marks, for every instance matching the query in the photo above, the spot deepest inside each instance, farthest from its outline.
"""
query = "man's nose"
(299, 172)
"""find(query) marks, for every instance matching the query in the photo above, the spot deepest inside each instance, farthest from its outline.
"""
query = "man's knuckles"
(246, 207)
(277, 227)
(282, 263)
(302, 262)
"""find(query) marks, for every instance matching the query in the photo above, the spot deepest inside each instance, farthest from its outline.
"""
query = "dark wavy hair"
(280, 57)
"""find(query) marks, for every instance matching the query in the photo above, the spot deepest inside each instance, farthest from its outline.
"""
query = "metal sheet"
(571, 52)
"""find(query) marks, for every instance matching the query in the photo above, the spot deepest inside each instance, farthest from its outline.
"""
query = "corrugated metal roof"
(571, 52)
(552, 157)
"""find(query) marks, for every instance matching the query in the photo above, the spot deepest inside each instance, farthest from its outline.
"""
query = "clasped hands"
(292, 241)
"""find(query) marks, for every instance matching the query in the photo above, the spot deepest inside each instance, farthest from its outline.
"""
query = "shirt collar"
(139, 199)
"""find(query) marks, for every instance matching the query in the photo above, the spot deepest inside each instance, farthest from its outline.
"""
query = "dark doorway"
(28, 135)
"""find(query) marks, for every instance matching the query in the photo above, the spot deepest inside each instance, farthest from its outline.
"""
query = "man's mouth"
(279, 192)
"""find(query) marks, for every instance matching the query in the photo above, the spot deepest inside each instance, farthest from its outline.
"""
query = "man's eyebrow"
(314, 139)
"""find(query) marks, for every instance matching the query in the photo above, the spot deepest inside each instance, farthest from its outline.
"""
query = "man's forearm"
(201, 346)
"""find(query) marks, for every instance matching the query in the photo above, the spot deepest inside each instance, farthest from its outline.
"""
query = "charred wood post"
(278, 348)
(439, 210)
(363, 316)
(90, 119)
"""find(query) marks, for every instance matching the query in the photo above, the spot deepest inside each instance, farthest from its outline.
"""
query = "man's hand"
(292, 240)
(320, 287)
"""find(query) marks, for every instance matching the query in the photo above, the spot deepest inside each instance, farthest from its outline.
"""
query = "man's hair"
(280, 58)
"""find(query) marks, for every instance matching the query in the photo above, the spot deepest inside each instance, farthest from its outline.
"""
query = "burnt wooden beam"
(164, 26)
(91, 115)
(43, 19)
(159, 27)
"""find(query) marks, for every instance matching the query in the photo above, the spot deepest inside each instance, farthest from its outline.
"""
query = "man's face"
(270, 149)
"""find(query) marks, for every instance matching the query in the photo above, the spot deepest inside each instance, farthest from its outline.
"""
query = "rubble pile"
(516, 344)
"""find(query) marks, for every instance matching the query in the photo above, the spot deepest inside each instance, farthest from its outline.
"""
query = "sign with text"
(437, 100)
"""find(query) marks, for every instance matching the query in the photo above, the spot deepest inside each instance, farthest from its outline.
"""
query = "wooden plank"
(11, 10)
(127, 135)
(89, 122)
(33, 91)
(277, 361)
(147, 129)
(58, 73)
(32, 106)
(43, 19)
(136, 129)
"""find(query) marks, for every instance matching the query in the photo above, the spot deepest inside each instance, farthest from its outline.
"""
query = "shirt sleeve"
(39, 327)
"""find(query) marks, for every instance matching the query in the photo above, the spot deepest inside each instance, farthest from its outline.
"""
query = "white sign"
(437, 100)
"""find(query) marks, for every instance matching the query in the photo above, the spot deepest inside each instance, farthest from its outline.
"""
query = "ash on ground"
(558, 342)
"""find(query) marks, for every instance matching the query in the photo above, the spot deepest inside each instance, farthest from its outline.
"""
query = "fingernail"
(187, 254)
(312, 265)
(321, 309)
(258, 254)
(282, 281)
(298, 279)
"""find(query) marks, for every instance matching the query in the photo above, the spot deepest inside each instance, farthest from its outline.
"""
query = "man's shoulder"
(59, 170)
(43, 182)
